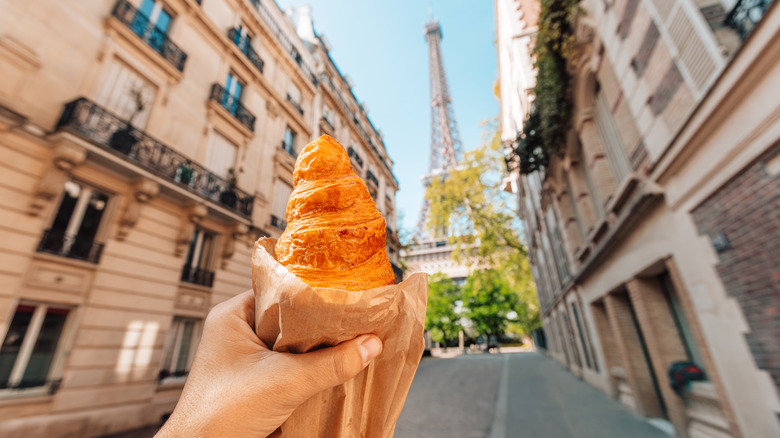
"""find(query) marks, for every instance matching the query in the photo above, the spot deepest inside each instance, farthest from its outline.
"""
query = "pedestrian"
(238, 387)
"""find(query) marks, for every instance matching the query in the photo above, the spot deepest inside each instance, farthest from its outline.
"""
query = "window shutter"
(117, 93)
(221, 155)
(282, 192)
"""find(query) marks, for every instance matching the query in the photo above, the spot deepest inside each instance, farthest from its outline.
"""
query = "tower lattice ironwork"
(446, 146)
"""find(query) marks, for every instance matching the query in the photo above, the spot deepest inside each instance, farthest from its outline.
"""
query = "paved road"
(511, 395)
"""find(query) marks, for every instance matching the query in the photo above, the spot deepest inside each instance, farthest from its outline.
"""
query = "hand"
(239, 388)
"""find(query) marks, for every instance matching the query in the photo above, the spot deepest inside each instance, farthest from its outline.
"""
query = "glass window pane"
(184, 348)
(191, 252)
(206, 251)
(163, 22)
(69, 197)
(146, 7)
(90, 224)
(13, 341)
(42, 356)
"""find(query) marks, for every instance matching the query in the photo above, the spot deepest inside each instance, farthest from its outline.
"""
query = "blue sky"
(381, 47)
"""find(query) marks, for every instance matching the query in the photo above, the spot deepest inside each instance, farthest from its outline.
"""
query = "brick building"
(144, 146)
(653, 232)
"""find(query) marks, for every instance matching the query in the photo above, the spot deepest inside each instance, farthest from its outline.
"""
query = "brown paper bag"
(291, 316)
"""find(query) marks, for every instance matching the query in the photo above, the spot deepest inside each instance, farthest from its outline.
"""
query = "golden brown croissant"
(335, 236)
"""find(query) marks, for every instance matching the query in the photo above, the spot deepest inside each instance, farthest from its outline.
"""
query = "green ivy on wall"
(545, 131)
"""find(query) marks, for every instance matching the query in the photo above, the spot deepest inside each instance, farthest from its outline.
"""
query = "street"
(463, 397)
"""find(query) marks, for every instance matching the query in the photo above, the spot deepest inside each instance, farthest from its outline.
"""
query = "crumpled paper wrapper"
(291, 316)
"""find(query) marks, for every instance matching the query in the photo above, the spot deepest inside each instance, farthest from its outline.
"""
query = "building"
(653, 230)
(144, 146)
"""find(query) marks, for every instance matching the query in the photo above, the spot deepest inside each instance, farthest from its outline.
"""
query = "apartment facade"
(652, 232)
(144, 146)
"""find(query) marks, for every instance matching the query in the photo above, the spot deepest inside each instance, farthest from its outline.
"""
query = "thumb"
(335, 365)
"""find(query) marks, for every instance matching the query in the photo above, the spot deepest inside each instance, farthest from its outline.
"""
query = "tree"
(485, 229)
(470, 203)
(488, 301)
(440, 317)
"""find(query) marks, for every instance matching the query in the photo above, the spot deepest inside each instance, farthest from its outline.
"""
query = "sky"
(380, 45)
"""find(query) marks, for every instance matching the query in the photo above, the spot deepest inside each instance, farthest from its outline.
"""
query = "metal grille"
(139, 23)
(94, 123)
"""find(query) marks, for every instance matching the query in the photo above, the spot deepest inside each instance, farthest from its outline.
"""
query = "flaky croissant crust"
(335, 236)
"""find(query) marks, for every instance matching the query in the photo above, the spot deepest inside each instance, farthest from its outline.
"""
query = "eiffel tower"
(431, 252)
(446, 146)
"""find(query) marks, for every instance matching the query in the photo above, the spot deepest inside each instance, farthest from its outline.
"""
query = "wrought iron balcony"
(192, 274)
(74, 247)
(746, 15)
(295, 104)
(371, 177)
(353, 154)
(245, 46)
(139, 23)
(233, 105)
(283, 40)
(87, 119)
(278, 222)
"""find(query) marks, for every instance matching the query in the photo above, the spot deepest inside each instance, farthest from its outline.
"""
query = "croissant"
(335, 236)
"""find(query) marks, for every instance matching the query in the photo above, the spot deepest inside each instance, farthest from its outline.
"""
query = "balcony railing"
(243, 43)
(746, 15)
(295, 104)
(233, 105)
(94, 123)
(139, 23)
(192, 274)
(283, 40)
(74, 247)
(371, 177)
(278, 222)
(353, 154)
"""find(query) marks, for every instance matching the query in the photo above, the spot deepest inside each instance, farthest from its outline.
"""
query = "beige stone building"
(144, 146)
(653, 232)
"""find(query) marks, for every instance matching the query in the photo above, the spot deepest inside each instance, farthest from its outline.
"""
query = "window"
(198, 266)
(610, 137)
(31, 345)
(153, 21)
(233, 89)
(561, 262)
(294, 97)
(127, 94)
(581, 332)
(288, 141)
(683, 326)
(76, 224)
(242, 38)
(327, 114)
(355, 156)
(294, 94)
(221, 155)
(282, 192)
(183, 338)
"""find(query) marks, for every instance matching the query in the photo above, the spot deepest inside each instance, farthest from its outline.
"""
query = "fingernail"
(370, 348)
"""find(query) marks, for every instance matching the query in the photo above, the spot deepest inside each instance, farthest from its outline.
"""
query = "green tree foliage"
(469, 202)
(484, 227)
(440, 317)
(545, 131)
(488, 300)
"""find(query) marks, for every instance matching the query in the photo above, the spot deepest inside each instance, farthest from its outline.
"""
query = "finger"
(241, 305)
(335, 365)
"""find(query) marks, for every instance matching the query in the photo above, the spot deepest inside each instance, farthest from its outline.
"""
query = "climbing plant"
(544, 133)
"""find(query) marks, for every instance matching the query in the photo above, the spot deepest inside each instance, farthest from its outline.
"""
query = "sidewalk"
(539, 398)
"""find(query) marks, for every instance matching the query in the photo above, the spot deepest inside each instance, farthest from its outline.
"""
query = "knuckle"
(340, 367)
